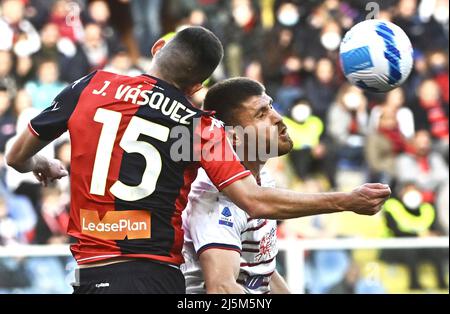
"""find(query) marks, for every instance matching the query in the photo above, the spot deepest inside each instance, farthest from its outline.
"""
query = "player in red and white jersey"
(222, 243)
(129, 184)
(213, 223)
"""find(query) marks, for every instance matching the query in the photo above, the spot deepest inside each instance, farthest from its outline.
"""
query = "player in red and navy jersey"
(127, 188)
(127, 194)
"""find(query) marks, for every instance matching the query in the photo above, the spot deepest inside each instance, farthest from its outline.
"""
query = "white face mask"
(412, 199)
(441, 14)
(242, 14)
(330, 40)
(351, 101)
(301, 112)
(288, 16)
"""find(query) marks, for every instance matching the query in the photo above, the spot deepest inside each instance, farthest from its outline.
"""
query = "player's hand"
(49, 170)
(369, 198)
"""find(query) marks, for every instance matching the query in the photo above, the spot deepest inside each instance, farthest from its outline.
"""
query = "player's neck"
(153, 71)
(254, 167)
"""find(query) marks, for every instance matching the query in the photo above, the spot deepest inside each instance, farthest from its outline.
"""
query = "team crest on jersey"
(267, 246)
(226, 218)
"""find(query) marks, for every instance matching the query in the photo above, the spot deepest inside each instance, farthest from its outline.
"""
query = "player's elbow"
(256, 207)
(11, 160)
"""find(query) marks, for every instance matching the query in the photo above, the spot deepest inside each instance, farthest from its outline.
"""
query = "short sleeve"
(52, 122)
(219, 229)
(217, 156)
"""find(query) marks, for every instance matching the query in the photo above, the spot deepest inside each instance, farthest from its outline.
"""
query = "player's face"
(258, 112)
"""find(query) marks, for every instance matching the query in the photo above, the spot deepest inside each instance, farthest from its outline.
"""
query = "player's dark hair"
(227, 96)
(190, 57)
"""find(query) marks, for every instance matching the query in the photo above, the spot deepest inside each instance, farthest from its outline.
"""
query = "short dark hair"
(227, 96)
(190, 57)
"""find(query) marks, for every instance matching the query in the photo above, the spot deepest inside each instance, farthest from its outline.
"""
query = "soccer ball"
(376, 55)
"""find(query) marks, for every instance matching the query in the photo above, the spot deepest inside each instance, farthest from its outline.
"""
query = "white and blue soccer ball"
(376, 55)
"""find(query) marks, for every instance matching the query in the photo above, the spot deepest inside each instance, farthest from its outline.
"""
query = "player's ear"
(157, 46)
(234, 137)
(192, 90)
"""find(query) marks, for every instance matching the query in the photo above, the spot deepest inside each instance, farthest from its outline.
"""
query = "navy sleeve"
(52, 122)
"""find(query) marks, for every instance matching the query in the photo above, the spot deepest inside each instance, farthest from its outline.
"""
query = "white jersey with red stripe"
(212, 220)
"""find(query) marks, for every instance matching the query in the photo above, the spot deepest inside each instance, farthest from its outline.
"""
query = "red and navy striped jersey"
(136, 146)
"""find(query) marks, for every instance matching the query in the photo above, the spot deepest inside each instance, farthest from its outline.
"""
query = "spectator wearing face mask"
(411, 216)
(310, 153)
(347, 125)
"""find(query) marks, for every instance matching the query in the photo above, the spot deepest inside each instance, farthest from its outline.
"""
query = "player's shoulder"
(203, 183)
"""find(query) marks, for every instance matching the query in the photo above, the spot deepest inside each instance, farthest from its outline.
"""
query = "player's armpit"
(221, 269)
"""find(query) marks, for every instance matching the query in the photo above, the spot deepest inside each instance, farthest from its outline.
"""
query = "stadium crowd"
(292, 47)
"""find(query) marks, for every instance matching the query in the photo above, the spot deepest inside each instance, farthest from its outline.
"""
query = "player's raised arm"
(272, 203)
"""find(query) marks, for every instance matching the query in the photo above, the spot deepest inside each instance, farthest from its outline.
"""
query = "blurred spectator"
(24, 70)
(16, 32)
(65, 53)
(21, 102)
(310, 153)
(147, 26)
(38, 12)
(121, 64)
(438, 67)
(9, 233)
(411, 216)
(55, 216)
(17, 218)
(282, 66)
(7, 78)
(347, 125)
(47, 86)
(322, 87)
(66, 15)
(383, 145)
(352, 283)
(243, 37)
(394, 102)
(426, 168)
(7, 119)
(95, 47)
(430, 112)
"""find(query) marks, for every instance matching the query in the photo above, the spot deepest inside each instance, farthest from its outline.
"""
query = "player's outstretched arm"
(22, 157)
(220, 270)
(260, 202)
